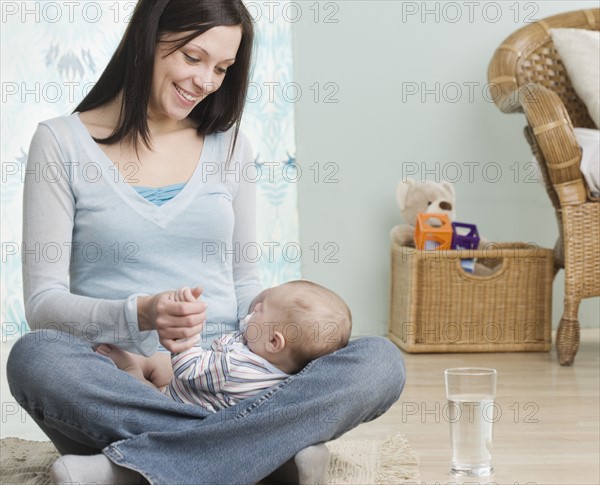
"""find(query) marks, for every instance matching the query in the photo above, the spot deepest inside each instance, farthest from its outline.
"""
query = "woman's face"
(184, 78)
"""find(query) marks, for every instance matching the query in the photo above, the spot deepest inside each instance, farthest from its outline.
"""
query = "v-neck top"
(101, 244)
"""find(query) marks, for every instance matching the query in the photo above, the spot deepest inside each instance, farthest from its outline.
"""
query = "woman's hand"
(176, 316)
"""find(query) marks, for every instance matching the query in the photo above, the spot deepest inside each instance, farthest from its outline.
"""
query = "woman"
(127, 195)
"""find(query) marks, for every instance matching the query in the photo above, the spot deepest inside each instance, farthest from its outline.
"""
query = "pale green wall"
(371, 55)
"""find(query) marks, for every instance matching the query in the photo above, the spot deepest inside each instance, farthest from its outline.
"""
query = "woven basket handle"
(494, 273)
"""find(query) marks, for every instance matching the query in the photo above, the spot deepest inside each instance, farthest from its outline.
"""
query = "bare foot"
(123, 360)
(118, 356)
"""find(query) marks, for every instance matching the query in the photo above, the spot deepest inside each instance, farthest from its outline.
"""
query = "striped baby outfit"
(220, 377)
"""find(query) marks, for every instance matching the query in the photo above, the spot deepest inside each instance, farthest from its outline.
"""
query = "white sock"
(96, 469)
(312, 463)
(308, 467)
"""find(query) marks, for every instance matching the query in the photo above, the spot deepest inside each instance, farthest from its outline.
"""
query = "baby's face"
(260, 327)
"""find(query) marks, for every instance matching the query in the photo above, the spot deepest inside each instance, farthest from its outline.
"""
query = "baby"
(293, 324)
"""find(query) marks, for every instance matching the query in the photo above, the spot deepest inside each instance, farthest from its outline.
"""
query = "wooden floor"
(549, 429)
(548, 432)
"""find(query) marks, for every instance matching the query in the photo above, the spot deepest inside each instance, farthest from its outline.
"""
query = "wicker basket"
(436, 306)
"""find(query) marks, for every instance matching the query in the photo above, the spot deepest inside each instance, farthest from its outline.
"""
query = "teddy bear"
(434, 198)
(414, 197)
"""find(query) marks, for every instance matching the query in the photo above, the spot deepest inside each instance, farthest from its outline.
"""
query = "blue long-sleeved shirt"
(92, 244)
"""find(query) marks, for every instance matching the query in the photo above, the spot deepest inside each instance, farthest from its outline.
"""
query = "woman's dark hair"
(131, 66)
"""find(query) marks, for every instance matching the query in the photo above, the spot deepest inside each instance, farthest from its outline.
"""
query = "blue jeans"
(86, 405)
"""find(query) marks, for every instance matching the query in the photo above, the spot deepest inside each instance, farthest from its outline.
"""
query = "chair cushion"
(589, 141)
(579, 49)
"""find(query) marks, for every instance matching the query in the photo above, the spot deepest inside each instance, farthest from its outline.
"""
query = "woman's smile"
(187, 99)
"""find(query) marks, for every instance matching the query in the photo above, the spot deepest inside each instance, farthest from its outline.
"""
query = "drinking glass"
(471, 392)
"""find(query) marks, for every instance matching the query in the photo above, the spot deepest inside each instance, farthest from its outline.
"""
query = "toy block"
(433, 231)
(462, 239)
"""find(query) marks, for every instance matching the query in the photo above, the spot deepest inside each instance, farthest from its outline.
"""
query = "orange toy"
(433, 231)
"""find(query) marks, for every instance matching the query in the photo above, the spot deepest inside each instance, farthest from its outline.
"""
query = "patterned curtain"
(53, 52)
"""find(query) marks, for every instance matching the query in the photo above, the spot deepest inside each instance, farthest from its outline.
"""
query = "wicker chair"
(526, 75)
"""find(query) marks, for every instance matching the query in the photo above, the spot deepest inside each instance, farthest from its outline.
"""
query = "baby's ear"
(276, 343)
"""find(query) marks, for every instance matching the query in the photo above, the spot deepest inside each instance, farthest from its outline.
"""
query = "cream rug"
(353, 462)
(372, 462)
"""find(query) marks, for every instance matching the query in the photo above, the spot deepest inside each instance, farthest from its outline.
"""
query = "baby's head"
(298, 322)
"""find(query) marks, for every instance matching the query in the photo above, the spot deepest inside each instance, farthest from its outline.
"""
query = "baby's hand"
(186, 294)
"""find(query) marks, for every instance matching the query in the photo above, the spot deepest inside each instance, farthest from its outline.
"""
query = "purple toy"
(470, 240)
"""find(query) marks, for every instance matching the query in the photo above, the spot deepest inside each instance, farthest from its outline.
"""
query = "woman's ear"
(276, 343)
